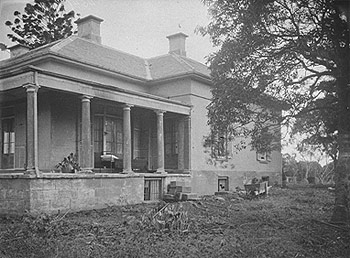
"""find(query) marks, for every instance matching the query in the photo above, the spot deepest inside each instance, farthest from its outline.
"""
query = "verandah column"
(160, 141)
(127, 139)
(32, 130)
(86, 156)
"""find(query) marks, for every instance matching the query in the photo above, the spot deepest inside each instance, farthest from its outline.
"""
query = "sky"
(137, 27)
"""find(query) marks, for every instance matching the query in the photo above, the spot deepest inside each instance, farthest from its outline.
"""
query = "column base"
(161, 171)
(187, 171)
(32, 172)
(86, 171)
(128, 172)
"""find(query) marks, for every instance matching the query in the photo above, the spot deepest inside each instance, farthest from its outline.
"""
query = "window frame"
(220, 149)
(263, 157)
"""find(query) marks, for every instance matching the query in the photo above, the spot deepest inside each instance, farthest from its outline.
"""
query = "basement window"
(223, 184)
(153, 189)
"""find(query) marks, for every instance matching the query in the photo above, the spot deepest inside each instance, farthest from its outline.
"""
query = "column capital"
(86, 98)
(31, 87)
(127, 106)
(159, 112)
(187, 118)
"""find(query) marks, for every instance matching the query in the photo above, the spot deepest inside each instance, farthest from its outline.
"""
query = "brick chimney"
(177, 43)
(89, 28)
(18, 49)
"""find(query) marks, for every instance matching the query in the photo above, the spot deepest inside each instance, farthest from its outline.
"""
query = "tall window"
(140, 140)
(113, 133)
(220, 147)
(8, 143)
(171, 137)
(8, 136)
(108, 137)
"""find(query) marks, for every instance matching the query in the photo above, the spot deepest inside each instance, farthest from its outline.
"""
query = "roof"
(87, 52)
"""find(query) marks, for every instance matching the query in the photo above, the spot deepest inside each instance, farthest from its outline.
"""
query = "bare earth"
(288, 223)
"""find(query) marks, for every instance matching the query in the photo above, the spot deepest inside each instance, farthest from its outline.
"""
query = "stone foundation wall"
(14, 195)
(69, 192)
(52, 193)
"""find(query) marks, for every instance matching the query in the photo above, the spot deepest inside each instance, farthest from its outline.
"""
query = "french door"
(108, 137)
(8, 143)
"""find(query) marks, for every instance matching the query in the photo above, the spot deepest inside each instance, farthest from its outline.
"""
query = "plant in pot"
(69, 164)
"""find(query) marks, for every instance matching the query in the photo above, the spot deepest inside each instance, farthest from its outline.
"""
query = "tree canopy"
(283, 54)
(41, 23)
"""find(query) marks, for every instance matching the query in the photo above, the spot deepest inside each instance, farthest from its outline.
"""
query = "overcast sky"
(138, 27)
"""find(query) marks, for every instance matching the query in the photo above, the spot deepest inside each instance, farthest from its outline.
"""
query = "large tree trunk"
(341, 213)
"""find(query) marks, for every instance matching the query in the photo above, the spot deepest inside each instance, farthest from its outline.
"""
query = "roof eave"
(21, 65)
(192, 75)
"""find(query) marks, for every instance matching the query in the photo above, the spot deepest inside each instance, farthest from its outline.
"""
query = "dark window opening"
(153, 189)
(223, 184)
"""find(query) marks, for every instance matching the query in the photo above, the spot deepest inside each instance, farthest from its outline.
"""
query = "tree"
(327, 173)
(42, 22)
(318, 128)
(289, 165)
(289, 52)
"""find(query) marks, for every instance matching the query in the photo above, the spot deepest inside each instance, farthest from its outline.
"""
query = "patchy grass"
(287, 223)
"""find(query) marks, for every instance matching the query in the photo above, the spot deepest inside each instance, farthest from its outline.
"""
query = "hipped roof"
(87, 52)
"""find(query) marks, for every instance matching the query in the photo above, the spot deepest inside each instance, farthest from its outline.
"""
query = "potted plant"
(69, 164)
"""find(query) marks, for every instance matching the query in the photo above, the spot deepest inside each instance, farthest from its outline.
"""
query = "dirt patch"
(287, 223)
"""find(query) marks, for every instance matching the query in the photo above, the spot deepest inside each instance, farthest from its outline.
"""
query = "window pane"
(6, 137)
(6, 148)
(12, 148)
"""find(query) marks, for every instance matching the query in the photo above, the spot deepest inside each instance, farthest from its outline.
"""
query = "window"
(8, 143)
(8, 133)
(171, 137)
(220, 147)
(152, 189)
(263, 157)
(222, 184)
(140, 141)
(108, 137)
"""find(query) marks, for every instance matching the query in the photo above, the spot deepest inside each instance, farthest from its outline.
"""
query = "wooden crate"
(256, 189)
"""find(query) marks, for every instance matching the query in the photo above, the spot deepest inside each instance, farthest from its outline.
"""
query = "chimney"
(89, 28)
(18, 49)
(177, 43)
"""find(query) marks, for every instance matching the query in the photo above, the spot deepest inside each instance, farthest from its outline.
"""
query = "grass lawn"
(288, 223)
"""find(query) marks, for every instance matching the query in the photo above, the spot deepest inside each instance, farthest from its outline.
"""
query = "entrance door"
(8, 143)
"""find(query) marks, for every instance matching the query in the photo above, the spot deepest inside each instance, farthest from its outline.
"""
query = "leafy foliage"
(69, 164)
(168, 217)
(318, 127)
(275, 55)
(289, 165)
(41, 23)
(282, 54)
